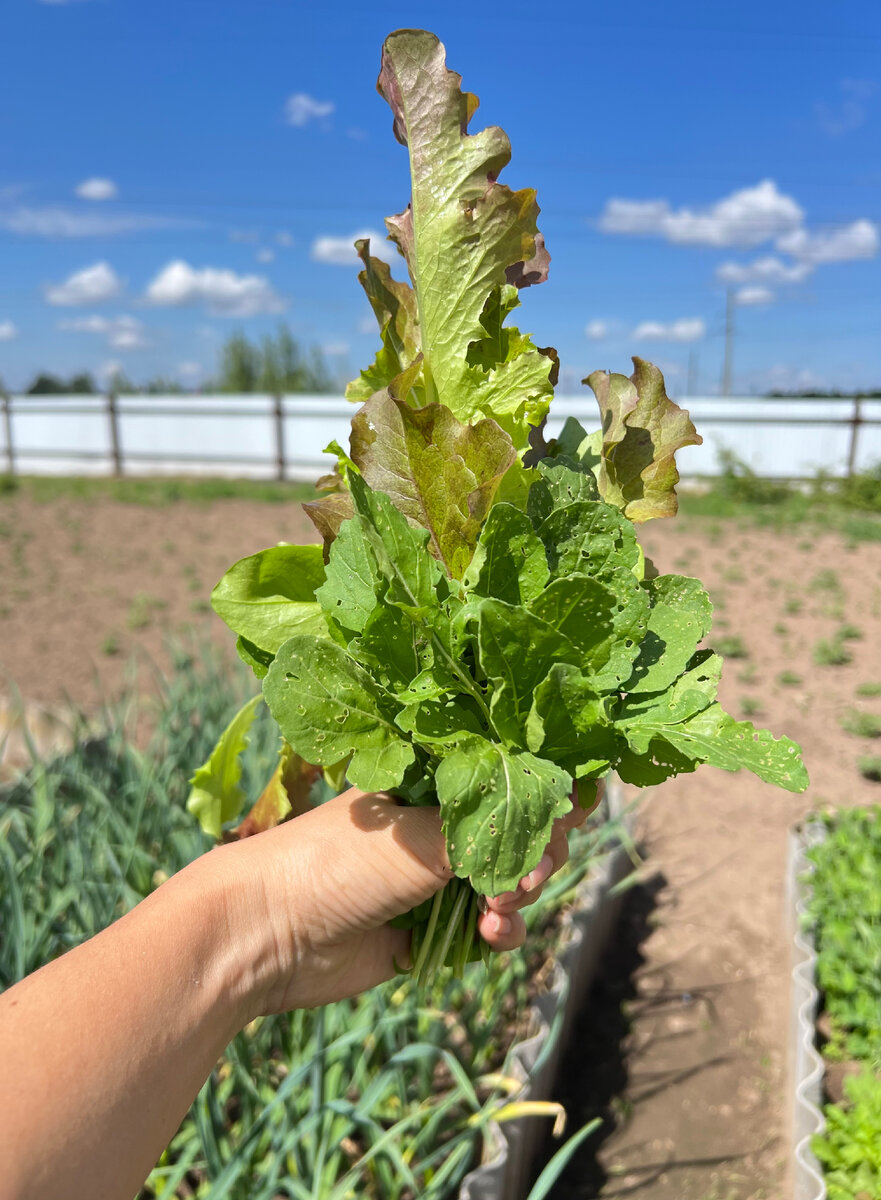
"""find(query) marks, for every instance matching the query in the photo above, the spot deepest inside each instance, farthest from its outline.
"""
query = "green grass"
(869, 689)
(151, 492)
(869, 766)
(831, 652)
(789, 679)
(861, 724)
(386, 1095)
(731, 646)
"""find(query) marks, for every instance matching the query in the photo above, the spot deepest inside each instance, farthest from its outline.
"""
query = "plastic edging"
(585, 932)
(806, 1085)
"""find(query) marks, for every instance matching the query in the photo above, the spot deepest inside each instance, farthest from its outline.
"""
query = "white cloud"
(248, 236)
(335, 349)
(850, 112)
(857, 240)
(222, 291)
(596, 330)
(367, 323)
(122, 333)
(340, 251)
(61, 222)
(768, 270)
(745, 218)
(302, 108)
(784, 378)
(97, 189)
(686, 329)
(284, 238)
(754, 294)
(8, 331)
(92, 285)
(265, 255)
(190, 370)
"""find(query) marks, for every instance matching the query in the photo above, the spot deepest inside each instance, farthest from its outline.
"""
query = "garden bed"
(834, 900)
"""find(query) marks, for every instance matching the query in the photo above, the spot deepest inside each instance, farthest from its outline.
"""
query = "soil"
(691, 1073)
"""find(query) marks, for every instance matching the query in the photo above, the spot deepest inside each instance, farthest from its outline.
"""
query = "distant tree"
(278, 364)
(120, 384)
(82, 385)
(47, 385)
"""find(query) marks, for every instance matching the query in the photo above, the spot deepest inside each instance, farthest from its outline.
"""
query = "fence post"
(115, 447)
(7, 425)
(279, 437)
(855, 422)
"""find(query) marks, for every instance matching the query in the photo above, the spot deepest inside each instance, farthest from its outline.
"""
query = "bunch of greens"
(480, 629)
(845, 908)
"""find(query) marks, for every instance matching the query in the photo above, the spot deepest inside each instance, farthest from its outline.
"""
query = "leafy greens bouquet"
(480, 629)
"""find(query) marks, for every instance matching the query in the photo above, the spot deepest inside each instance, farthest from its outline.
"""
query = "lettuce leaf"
(642, 430)
(216, 795)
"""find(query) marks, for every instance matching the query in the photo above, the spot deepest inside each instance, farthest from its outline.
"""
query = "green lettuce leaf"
(466, 239)
(216, 795)
(498, 808)
(691, 693)
(714, 737)
(509, 561)
(680, 617)
(642, 430)
(327, 706)
(435, 470)
(395, 308)
(518, 647)
(270, 596)
(568, 723)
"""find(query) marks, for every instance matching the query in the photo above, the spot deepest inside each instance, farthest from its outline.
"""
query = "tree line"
(275, 364)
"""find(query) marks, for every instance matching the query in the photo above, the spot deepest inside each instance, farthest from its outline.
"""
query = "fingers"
(502, 931)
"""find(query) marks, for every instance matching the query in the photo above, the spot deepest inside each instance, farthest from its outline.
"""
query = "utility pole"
(691, 386)
(729, 342)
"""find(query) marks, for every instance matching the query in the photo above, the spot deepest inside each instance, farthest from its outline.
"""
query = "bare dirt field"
(696, 1100)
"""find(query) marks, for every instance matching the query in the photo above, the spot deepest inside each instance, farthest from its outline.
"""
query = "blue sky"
(170, 172)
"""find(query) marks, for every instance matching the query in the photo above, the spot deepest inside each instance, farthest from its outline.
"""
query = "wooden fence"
(284, 436)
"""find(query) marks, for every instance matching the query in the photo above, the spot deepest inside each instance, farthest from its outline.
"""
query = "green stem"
(428, 936)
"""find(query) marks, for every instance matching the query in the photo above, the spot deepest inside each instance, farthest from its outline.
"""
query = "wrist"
(231, 894)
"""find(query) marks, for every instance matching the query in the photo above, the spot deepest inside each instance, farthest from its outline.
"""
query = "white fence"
(283, 437)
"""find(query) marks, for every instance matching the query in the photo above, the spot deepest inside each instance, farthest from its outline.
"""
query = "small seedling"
(751, 707)
(142, 610)
(110, 645)
(869, 689)
(861, 724)
(831, 652)
(731, 647)
(825, 581)
(848, 633)
(780, 629)
(869, 766)
(792, 606)
(749, 674)
(788, 679)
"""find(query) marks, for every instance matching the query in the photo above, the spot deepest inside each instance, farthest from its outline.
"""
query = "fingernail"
(538, 875)
(506, 898)
(499, 924)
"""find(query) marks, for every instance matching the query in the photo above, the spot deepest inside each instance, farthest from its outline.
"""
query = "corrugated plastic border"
(586, 929)
(806, 1087)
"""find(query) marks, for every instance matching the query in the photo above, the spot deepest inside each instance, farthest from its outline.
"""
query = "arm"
(103, 1050)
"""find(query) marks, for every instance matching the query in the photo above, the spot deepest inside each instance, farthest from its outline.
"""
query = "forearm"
(108, 1045)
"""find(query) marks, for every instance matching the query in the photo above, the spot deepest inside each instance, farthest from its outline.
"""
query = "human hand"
(309, 902)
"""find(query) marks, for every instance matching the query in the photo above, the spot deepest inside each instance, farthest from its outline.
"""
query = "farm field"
(696, 1101)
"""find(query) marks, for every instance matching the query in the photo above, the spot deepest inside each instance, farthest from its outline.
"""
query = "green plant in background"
(869, 766)
(481, 629)
(389, 1094)
(732, 646)
(846, 911)
(861, 724)
(850, 1146)
(789, 679)
(831, 652)
(869, 689)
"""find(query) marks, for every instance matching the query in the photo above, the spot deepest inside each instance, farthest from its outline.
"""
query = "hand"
(309, 901)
